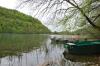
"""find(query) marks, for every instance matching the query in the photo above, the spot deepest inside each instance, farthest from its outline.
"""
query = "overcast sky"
(8, 3)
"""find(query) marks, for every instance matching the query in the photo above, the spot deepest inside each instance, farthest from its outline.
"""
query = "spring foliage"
(12, 21)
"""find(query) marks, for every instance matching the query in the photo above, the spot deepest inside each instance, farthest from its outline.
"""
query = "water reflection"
(77, 60)
(49, 55)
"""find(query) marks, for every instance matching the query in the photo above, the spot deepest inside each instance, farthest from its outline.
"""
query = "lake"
(37, 50)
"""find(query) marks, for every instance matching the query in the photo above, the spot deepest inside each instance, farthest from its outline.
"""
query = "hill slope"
(12, 21)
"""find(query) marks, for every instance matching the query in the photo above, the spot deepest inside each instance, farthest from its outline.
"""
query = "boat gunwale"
(84, 43)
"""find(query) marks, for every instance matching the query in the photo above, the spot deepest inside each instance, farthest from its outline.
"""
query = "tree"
(64, 7)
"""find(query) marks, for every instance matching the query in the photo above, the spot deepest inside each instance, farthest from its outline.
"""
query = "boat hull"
(84, 49)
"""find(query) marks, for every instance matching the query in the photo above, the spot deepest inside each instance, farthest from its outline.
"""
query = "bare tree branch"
(57, 5)
(96, 17)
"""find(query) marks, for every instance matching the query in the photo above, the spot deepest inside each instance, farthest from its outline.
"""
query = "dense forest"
(12, 21)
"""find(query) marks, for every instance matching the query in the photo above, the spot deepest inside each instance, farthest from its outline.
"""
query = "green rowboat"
(83, 47)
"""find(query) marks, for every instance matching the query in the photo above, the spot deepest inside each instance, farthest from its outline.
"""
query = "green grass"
(12, 21)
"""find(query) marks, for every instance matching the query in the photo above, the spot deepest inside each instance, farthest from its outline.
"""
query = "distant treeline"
(87, 31)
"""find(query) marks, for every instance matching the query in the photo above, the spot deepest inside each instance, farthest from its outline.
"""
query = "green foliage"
(12, 21)
(92, 9)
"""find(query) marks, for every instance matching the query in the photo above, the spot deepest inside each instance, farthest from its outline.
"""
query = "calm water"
(37, 50)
